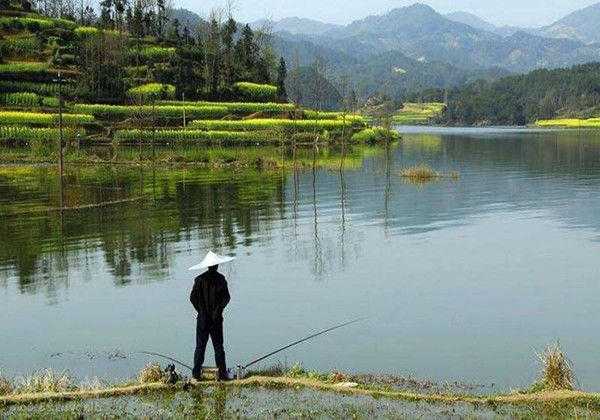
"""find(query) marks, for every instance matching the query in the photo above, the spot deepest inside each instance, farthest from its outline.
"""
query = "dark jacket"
(210, 296)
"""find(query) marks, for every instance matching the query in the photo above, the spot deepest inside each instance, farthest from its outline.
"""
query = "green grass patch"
(116, 112)
(170, 136)
(18, 134)
(152, 91)
(256, 92)
(418, 113)
(36, 118)
(21, 99)
(272, 124)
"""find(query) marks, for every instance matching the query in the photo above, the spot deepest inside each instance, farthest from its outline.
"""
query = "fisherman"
(210, 296)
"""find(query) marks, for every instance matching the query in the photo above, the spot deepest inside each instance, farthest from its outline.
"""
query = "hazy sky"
(510, 12)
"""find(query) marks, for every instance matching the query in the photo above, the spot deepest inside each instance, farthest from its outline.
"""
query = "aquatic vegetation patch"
(421, 172)
(256, 92)
(38, 118)
(152, 91)
(116, 112)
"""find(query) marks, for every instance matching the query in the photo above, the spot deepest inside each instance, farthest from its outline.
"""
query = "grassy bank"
(570, 123)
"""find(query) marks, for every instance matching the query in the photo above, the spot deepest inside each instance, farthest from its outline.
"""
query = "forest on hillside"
(132, 43)
(524, 99)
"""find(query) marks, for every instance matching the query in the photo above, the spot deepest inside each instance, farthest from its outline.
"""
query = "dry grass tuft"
(6, 386)
(44, 381)
(151, 373)
(556, 372)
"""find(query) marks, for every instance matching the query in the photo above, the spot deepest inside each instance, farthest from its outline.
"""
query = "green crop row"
(44, 89)
(256, 92)
(114, 112)
(240, 108)
(310, 114)
(24, 67)
(22, 45)
(28, 134)
(153, 53)
(273, 124)
(169, 136)
(34, 24)
(27, 99)
(37, 118)
(152, 91)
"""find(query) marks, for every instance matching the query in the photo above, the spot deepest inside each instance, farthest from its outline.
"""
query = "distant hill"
(583, 25)
(482, 24)
(187, 18)
(295, 26)
(471, 20)
(523, 99)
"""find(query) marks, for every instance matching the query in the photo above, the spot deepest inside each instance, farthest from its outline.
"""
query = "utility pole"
(183, 100)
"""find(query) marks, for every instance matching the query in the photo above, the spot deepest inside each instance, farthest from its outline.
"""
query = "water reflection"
(331, 233)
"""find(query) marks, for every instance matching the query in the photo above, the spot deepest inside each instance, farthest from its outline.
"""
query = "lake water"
(460, 279)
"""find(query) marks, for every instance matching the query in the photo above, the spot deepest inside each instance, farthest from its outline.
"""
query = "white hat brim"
(210, 260)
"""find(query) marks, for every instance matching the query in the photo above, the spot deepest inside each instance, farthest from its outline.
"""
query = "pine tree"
(106, 20)
(229, 31)
(137, 22)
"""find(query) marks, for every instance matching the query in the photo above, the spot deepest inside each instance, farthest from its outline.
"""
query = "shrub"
(27, 134)
(35, 118)
(6, 386)
(152, 91)
(556, 371)
(270, 124)
(169, 136)
(44, 381)
(375, 135)
(256, 92)
(114, 112)
(24, 67)
(141, 72)
(85, 31)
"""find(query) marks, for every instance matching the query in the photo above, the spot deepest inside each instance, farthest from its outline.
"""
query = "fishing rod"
(241, 369)
(150, 353)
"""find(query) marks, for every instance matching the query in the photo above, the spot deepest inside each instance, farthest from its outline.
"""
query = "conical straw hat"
(210, 260)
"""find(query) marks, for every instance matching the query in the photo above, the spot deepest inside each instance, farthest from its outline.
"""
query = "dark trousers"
(214, 330)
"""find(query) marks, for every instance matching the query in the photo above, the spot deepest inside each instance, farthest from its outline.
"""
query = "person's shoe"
(225, 377)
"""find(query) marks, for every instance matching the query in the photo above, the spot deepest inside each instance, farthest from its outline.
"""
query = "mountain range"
(414, 47)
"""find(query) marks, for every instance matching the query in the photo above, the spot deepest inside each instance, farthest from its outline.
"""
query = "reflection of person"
(210, 296)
